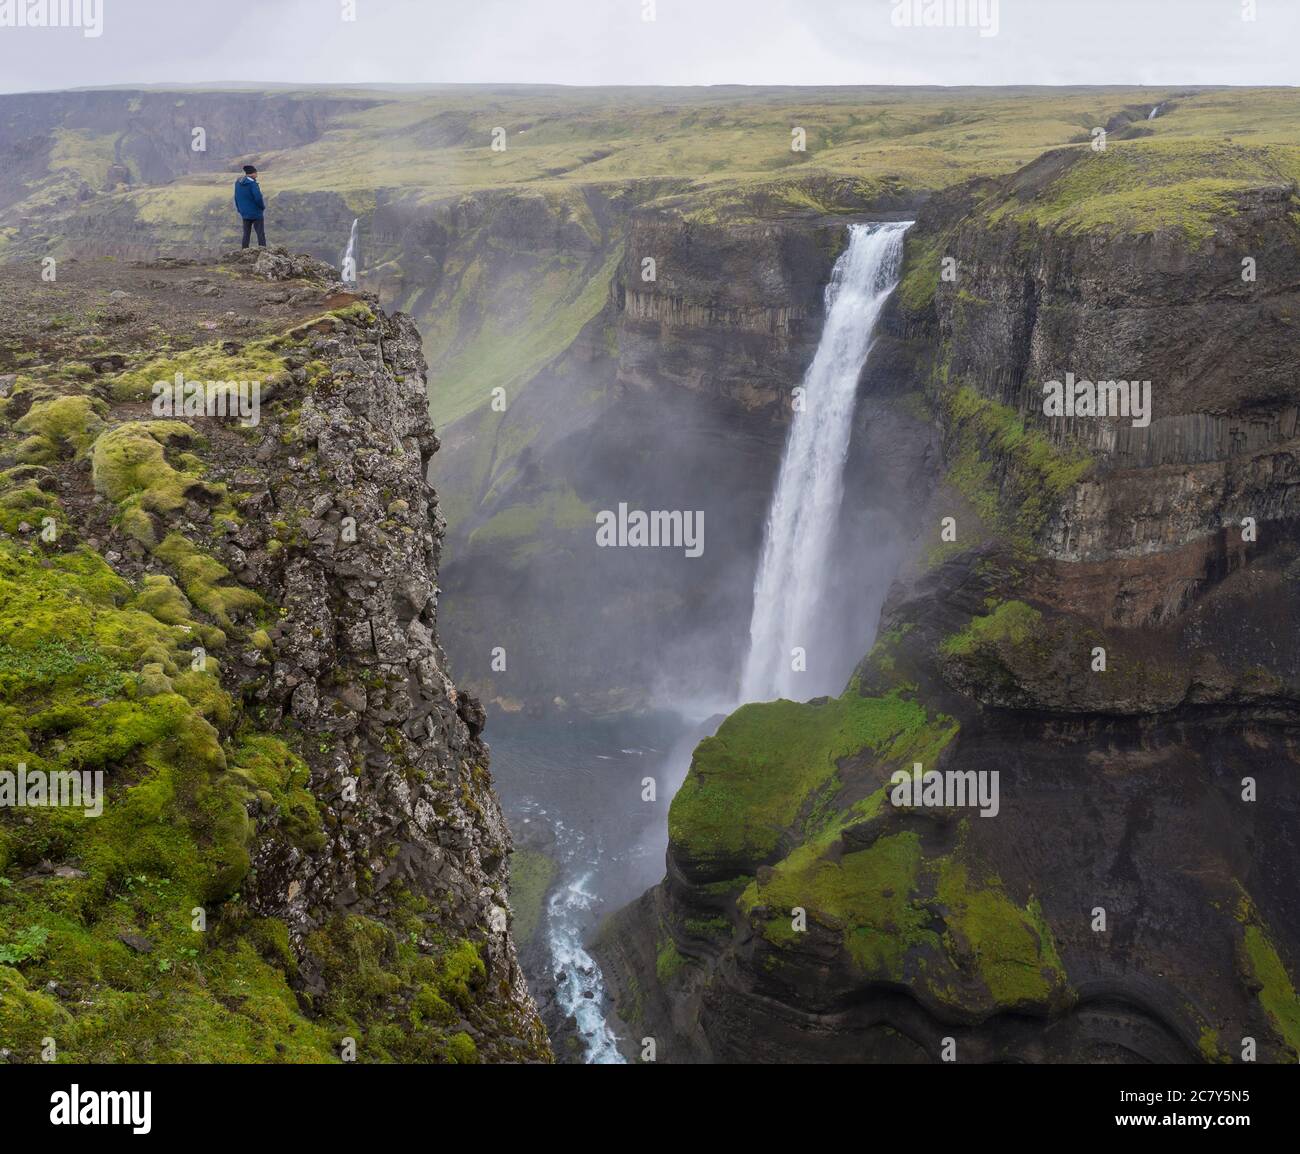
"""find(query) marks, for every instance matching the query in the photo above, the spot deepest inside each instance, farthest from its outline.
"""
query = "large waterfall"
(801, 523)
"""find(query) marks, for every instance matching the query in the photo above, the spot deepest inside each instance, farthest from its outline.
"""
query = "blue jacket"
(248, 199)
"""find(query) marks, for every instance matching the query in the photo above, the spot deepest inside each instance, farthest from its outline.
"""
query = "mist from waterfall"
(799, 539)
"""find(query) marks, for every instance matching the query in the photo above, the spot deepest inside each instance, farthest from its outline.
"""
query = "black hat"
(249, 169)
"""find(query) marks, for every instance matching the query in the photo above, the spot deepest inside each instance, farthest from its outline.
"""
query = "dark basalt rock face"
(356, 657)
(1157, 792)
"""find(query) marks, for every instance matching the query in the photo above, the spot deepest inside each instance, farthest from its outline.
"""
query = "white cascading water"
(350, 257)
(801, 523)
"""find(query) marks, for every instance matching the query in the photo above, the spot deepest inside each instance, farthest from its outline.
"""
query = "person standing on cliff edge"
(250, 205)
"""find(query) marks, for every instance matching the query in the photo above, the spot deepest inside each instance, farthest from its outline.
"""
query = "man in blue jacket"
(250, 205)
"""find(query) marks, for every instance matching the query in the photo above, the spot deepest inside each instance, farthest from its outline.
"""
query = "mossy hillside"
(668, 961)
(400, 996)
(520, 529)
(749, 783)
(1137, 188)
(90, 679)
(935, 923)
(531, 876)
(493, 328)
(24, 500)
(130, 466)
(922, 266)
(98, 946)
(1011, 475)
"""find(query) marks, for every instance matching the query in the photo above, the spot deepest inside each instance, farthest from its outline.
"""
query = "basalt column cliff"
(1091, 646)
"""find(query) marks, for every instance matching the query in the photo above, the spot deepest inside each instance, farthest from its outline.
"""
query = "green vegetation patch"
(135, 465)
(906, 918)
(749, 782)
(91, 681)
(1141, 187)
(523, 527)
(400, 1000)
(256, 361)
(60, 427)
(1011, 622)
(1012, 475)
(531, 876)
(1263, 965)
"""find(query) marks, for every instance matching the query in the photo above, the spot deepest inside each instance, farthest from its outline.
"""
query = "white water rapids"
(801, 522)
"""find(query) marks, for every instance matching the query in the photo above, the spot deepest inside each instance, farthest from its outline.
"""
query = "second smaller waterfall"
(350, 257)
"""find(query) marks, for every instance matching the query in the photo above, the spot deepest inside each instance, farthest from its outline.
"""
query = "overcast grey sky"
(1159, 42)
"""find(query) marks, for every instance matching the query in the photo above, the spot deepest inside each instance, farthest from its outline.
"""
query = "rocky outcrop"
(342, 834)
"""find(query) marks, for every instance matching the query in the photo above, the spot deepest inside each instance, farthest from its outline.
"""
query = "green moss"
(1012, 622)
(85, 671)
(63, 426)
(207, 582)
(1010, 948)
(921, 272)
(749, 782)
(1208, 1044)
(256, 361)
(461, 1049)
(358, 313)
(129, 466)
(906, 918)
(160, 598)
(668, 961)
(531, 875)
(28, 504)
(1013, 476)
(1277, 992)
(400, 1003)
(278, 779)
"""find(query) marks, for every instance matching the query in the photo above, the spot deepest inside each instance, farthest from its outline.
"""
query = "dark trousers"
(258, 224)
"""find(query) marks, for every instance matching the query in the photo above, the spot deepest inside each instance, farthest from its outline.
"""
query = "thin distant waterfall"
(350, 257)
(801, 523)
